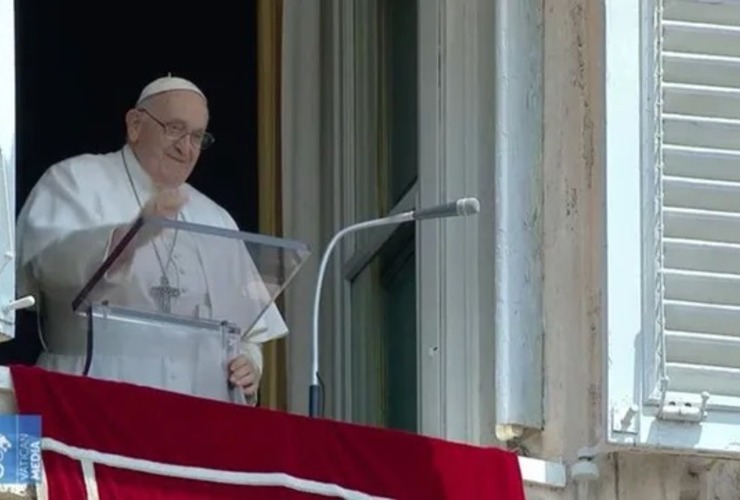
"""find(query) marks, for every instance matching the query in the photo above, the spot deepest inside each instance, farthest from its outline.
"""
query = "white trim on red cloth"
(42, 489)
(88, 477)
(275, 479)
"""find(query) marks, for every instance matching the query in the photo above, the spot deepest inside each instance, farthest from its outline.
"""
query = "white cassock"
(63, 237)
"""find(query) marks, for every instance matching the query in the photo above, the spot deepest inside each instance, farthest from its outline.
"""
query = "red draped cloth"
(128, 442)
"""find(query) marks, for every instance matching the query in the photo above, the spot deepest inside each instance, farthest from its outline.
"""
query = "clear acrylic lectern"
(172, 301)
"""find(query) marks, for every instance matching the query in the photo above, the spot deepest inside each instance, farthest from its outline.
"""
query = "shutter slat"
(697, 11)
(699, 100)
(703, 256)
(700, 153)
(701, 194)
(703, 132)
(702, 318)
(692, 224)
(709, 350)
(707, 288)
(701, 69)
(705, 163)
(719, 381)
(701, 38)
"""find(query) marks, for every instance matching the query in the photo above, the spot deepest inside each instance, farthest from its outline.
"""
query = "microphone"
(462, 207)
(459, 208)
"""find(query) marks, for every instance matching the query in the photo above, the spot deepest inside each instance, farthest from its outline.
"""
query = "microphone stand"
(315, 395)
(459, 208)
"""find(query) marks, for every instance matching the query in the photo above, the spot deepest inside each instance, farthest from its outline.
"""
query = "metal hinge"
(681, 411)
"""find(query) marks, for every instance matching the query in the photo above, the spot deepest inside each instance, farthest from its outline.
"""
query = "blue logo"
(20, 449)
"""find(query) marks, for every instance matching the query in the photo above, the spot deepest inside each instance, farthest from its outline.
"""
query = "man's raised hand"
(166, 202)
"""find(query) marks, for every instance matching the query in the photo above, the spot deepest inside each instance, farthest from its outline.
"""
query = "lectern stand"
(173, 301)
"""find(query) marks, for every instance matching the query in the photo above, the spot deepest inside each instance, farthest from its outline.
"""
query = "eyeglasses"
(176, 130)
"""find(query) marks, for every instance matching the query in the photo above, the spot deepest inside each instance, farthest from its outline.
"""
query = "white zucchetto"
(166, 84)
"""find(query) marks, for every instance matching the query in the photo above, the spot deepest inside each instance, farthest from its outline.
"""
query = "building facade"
(585, 319)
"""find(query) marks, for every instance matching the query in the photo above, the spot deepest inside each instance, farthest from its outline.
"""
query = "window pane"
(384, 336)
(399, 290)
(401, 97)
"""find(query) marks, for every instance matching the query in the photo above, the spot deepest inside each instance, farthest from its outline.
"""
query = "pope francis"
(82, 206)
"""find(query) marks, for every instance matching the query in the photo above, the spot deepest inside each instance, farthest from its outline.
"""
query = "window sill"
(538, 472)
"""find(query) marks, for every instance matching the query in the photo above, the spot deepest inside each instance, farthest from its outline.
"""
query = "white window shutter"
(7, 168)
(700, 86)
(674, 363)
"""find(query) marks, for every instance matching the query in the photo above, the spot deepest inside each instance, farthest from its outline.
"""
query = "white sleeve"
(270, 324)
(60, 237)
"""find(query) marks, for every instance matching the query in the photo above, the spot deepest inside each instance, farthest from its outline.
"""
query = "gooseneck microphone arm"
(315, 396)
(461, 207)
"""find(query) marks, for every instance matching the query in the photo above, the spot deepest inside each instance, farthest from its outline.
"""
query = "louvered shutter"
(700, 118)
(672, 289)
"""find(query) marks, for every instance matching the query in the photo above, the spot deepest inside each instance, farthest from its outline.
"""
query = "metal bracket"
(624, 418)
(7, 312)
(680, 410)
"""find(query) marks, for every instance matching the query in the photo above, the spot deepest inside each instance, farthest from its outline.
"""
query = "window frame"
(7, 168)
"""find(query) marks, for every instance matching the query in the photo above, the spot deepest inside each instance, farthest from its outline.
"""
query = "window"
(381, 273)
(673, 223)
(430, 136)
(7, 165)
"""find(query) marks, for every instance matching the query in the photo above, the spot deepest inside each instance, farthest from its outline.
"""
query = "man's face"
(164, 132)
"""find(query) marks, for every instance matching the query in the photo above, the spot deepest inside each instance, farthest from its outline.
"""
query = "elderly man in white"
(82, 206)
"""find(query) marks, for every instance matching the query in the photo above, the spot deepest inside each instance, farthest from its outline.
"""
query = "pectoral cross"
(164, 293)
